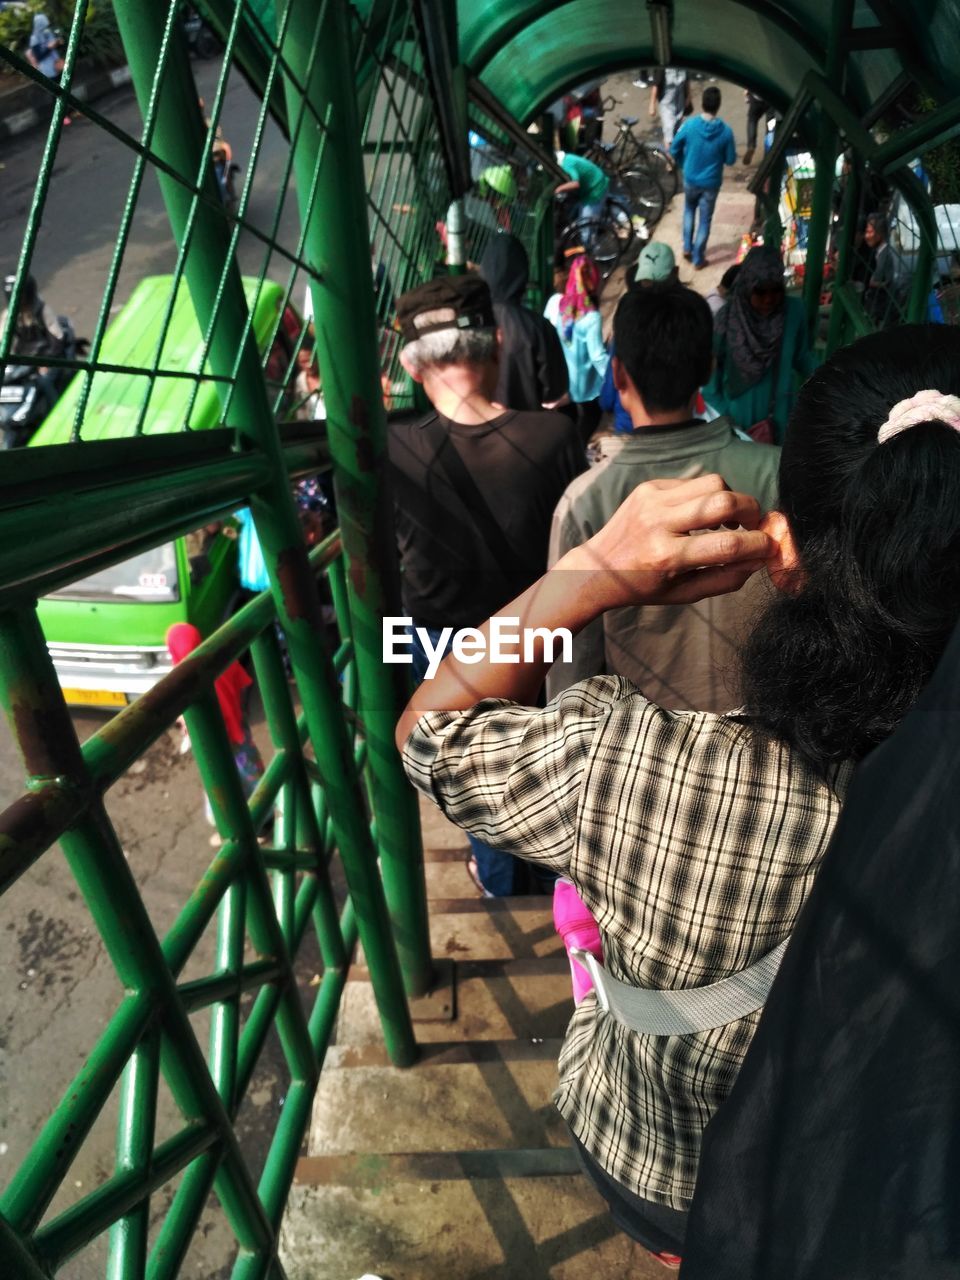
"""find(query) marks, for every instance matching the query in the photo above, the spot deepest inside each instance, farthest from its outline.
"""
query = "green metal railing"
(356, 156)
(924, 239)
(513, 183)
(363, 162)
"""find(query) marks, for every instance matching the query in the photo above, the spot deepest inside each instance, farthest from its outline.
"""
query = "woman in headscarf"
(760, 343)
(577, 320)
(230, 688)
(44, 50)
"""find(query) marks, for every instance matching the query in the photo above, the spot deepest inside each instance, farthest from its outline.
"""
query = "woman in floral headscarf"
(760, 343)
(576, 317)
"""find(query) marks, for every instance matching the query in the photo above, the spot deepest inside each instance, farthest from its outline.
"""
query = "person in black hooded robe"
(533, 370)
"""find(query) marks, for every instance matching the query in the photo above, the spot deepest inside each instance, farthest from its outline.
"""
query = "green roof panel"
(528, 51)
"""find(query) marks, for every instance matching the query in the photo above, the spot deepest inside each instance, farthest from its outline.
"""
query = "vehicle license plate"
(95, 698)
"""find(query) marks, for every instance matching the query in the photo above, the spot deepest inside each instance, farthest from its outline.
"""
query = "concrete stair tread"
(458, 1097)
(455, 1226)
(494, 1000)
(494, 929)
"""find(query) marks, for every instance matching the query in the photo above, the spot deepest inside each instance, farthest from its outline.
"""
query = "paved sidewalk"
(24, 105)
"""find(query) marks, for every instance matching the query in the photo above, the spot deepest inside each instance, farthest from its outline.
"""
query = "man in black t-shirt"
(475, 485)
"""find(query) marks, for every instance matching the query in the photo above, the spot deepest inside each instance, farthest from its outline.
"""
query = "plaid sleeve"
(510, 774)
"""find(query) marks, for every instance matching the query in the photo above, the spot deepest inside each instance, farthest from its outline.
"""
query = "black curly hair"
(834, 668)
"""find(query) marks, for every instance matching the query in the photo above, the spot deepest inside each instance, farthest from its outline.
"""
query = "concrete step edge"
(376, 1171)
(447, 1053)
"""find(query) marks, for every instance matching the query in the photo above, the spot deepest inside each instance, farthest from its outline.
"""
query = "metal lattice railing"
(406, 178)
(511, 192)
(343, 179)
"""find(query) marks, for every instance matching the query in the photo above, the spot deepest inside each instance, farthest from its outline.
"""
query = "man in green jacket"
(681, 656)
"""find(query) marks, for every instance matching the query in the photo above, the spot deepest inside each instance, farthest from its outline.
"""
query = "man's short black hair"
(663, 337)
(710, 102)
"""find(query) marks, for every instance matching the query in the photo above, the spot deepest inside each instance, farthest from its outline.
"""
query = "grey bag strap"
(681, 1013)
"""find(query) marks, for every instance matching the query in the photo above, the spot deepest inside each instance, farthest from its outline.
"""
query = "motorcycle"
(26, 397)
(201, 41)
(226, 170)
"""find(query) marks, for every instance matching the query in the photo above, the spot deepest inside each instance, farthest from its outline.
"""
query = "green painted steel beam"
(47, 741)
(333, 201)
(214, 281)
(136, 1130)
(825, 154)
(816, 88)
(481, 96)
(847, 233)
(282, 722)
(849, 299)
(249, 54)
(122, 500)
(441, 60)
(937, 127)
(17, 1259)
(77, 1226)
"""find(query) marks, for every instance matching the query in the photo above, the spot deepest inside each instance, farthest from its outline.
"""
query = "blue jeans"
(500, 873)
(697, 200)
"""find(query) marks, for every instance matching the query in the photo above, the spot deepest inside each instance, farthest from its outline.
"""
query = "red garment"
(183, 638)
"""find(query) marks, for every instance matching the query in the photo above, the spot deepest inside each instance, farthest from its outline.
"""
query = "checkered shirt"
(694, 840)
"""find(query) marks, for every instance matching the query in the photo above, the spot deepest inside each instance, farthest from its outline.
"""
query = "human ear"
(628, 393)
(410, 367)
(784, 567)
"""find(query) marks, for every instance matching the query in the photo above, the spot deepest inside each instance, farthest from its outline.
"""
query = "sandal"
(473, 871)
(668, 1260)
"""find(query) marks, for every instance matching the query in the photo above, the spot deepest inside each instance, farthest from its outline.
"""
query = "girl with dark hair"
(760, 343)
(695, 838)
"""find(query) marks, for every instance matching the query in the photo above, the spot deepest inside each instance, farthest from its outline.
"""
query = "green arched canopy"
(528, 51)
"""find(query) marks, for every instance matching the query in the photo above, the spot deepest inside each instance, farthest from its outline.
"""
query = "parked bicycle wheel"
(655, 156)
(607, 239)
(643, 193)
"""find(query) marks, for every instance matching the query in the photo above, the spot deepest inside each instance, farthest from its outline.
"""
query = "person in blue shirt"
(703, 145)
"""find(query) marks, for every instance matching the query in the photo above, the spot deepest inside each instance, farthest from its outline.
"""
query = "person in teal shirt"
(760, 343)
(587, 182)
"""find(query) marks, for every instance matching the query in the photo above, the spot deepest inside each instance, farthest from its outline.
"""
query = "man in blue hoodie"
(703, 145)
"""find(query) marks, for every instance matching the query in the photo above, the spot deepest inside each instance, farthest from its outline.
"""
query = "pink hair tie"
(925, 406)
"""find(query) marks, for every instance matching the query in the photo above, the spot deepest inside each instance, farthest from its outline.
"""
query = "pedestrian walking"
(670, 95)
(684, 657)
(656, 265)
(533, 369)
(703, 145)
(757, 110)
(474, 488)
(695, 839)
(760, 344)
(231, 688)
(578, 322)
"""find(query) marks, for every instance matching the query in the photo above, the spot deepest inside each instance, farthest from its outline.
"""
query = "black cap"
(449, 302)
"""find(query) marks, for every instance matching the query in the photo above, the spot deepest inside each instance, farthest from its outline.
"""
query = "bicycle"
(628, 152)
(608, 239)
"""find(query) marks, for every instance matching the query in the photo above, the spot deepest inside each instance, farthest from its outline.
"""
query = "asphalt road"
(85, 201)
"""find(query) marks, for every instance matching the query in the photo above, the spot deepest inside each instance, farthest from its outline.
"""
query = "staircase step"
(458, 1097)
(494, 929)
(427, 1218)
(494, 1000)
